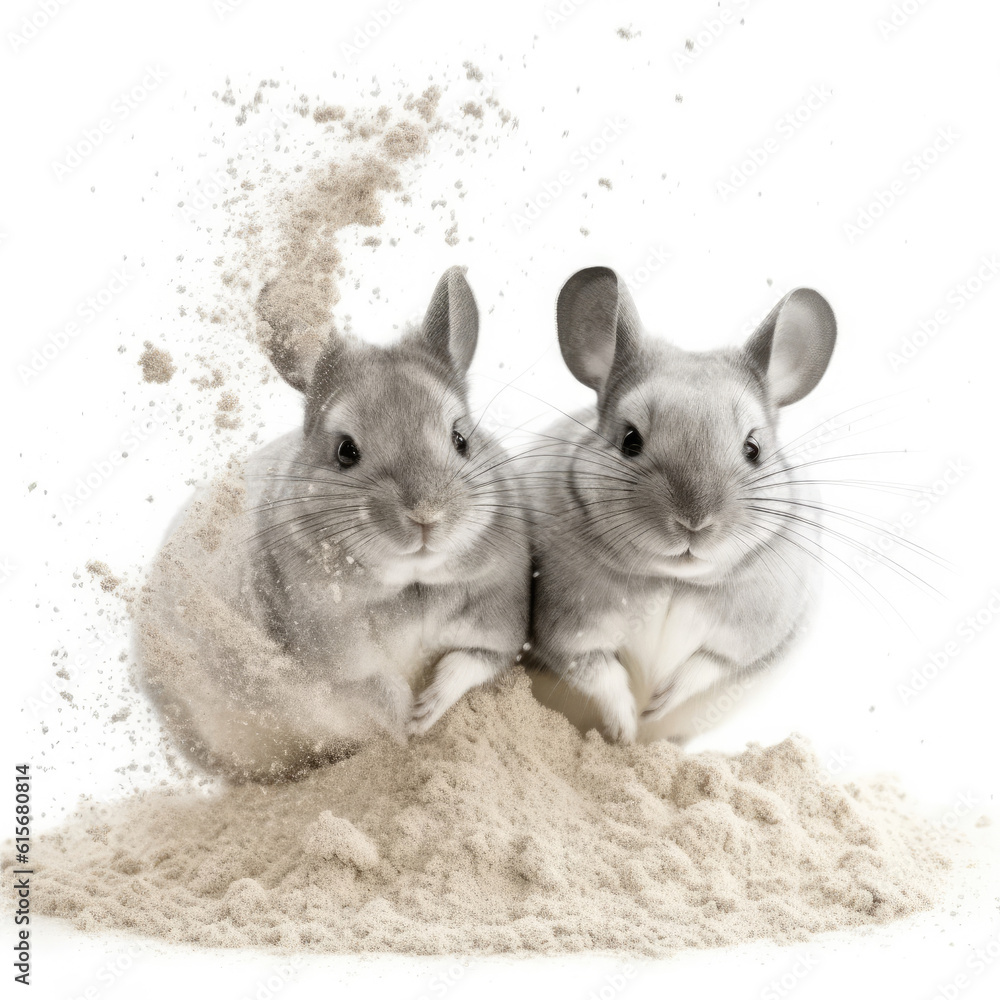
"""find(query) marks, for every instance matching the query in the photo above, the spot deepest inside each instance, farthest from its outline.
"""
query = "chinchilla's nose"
(425, 515)
(695, 523)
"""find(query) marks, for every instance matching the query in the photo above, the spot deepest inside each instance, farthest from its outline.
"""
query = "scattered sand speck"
(157, 364)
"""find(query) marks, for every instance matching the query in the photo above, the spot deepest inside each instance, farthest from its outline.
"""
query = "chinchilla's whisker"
(504, 510)
(576, 443)
(607, 483)
(501, 503)
(786, 530)
(345, 485)
(764, 548)
(341, 510)
(601, 464)
(608, 455)
(340, 537)
(798, 539)
(275, 534)
(568, 416)
(503, 388)
(555, 478)
(897, 489)
(807, 438)
(626, 490)
(621, 497)
(285, 501)
(858, 546)
(494, 539)
(873, 524)
(615, 533)
(302, 521)
(832, 458)
(362, 480)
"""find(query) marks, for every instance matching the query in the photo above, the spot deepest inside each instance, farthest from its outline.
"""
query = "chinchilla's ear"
(291, 341)
(598, 326)
(451, 324)
(792, 347)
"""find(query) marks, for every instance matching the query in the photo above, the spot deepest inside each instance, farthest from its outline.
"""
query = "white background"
(891, 92)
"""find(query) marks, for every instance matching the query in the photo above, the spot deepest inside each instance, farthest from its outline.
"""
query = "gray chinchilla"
(378, 551)
(671, 553)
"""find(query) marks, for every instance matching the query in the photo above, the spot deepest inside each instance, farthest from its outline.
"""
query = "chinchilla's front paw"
(428, 708)
(457, 672)
(620, 722)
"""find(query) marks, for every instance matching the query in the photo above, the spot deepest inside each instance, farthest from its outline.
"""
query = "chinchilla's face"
(685, 477)
(686, 445)
(391, 472)
(400, 468)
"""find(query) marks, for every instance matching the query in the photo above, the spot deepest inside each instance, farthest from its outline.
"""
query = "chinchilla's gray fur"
(664, 572)
(405, 571)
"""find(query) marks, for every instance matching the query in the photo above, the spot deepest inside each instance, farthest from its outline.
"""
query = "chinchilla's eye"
(347, 453)
(632, 443)
(461, 445)
(751, 449)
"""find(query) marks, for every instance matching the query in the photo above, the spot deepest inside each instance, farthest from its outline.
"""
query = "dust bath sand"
(503, 830)
(157, 365)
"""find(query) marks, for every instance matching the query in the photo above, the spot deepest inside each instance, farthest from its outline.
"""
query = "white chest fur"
(661, 640)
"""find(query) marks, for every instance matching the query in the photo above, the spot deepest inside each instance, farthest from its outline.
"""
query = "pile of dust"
(503, 830)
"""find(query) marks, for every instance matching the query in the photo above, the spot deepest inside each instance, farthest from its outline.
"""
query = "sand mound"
(503, 830)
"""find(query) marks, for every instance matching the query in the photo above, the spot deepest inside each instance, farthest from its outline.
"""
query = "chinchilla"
(671, 554)
(376, 552)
